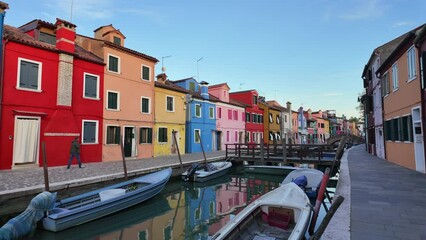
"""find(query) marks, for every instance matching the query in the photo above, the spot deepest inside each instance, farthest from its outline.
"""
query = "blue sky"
(311, 53)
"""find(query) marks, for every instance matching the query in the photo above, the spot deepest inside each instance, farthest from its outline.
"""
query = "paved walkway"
(382, 200)
(27, 181)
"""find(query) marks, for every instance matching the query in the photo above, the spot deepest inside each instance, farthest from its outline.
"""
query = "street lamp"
(163, 69)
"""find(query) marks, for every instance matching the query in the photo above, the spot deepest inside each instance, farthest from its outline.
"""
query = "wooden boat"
(202, 173)
(274, 170)
(86, 207)
(313, 177)
(282, 213)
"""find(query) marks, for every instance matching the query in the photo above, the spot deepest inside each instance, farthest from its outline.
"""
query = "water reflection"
(181, 211)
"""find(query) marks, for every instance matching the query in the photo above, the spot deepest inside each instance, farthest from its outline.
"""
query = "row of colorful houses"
(395, 100)
(57, 84)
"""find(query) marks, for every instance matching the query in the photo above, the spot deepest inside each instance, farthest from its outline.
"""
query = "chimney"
(204, 89)
(65, 35)
(288, 106)
(161, 78)
(3, 7)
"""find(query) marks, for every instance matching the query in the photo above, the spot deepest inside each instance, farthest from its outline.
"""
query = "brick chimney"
(65, 35)
(161, 78)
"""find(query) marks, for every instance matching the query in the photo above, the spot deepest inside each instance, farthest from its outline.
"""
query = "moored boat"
(282, 213)
(86, 207)
(206, 172)
(274, 170)
(313, 180)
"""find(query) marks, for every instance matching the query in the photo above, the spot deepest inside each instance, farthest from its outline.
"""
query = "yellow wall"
(171, 120)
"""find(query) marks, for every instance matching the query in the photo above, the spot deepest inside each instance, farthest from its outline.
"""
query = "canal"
(183, 210)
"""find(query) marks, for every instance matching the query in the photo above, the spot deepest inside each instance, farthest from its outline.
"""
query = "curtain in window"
(26, 141)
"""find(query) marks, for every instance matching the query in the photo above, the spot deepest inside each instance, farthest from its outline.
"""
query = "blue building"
(200, 116)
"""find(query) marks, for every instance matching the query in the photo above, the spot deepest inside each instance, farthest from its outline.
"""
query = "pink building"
(230, 117)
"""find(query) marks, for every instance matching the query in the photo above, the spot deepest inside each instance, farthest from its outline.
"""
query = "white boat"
(282, 213)
(205, 172)
(273, 170)
(313, 177)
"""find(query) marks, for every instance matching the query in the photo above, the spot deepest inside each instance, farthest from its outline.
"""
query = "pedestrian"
(75, 152)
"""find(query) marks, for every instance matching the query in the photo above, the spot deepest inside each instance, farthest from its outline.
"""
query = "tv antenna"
(163, 69)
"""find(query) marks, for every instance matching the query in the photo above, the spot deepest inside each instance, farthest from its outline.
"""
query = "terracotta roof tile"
(131, 51)
(168, 85)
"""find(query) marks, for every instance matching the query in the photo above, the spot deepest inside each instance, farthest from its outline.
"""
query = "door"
(418, 140)
(26, 141)
(218, 140)
(129, 137)
(175, 142)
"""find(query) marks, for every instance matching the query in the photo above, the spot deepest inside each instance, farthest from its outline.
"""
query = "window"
(260, 118)
(145, 105)
(29, 74)
(47, 38)
(113, 135)
(91, 86)
(167, 232)
(143, 235)
(113, 64)
(197, 110)
(254, 137)
(271, 136)
(90, 131)
(117, 40)
(247, 136)
(197, 135)
(192, 86)
(145, 135)
(113, 101)
(278, 119)
(271, 118)
(146, 73)
(235, 115)
(411, 55)
(197, 214)
(247, 117)
(254, 118)
(236, 136)
(227, 136)
(407, 124)
(219, 112)
(211, 112)
(229, 114)
(170, 103)
(395, 85)
(162, 135)
(212, 208)
(285, 118)
(385, 85)
(254, 99)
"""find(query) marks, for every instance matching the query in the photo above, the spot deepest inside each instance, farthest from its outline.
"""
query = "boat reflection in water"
(183, 210)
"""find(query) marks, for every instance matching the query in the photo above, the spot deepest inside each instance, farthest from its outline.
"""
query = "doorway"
(26, 140)
(129, 141)
(418, 140)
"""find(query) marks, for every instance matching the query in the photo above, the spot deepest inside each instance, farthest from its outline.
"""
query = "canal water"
(183, 210)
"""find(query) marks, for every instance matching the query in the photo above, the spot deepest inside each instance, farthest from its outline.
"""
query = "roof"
(219, 85)
(243, 91)
(168, 85)
(182, 80)
(128, 50)
(16, 35)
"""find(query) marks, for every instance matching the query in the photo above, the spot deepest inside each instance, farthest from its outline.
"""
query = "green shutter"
(149, 135)
(145, 73)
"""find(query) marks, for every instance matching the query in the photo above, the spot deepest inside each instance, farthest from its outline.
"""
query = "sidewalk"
(382, 200)
(22, 182)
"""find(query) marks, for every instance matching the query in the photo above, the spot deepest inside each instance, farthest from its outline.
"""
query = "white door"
(418, 140)
(26, 140)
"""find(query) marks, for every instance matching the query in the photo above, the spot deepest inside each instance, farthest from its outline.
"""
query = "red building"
(254, 115)
(51, 91)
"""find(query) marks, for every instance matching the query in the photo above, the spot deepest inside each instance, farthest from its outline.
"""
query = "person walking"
(75, 152)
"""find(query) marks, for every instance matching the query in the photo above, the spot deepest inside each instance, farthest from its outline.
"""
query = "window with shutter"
(91, 83)
(113, 135)
(170, 104)
(162, 135)
(112, 100)
(90, 130)
(145, 105)
(145, 135)
(113, 64)
(145, 73)
(29, 74)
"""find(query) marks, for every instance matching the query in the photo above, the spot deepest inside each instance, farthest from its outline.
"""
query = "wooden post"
(284, 153)
(319, 200)
(262, 151)
(202, 148)
(336, 204)
(45, 170)
(124, 159)
(177, 148)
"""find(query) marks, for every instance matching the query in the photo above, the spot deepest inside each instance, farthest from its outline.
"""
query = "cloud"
(91, 9)
(402, 24)
(363, 10)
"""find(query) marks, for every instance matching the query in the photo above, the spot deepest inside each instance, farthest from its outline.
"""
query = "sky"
(308, 52)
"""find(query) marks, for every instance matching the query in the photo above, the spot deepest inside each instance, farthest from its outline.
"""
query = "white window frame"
(40, 64)
(173, 103)
(195, 135)
(118, 64)
(118, 101)
(411, 62)
(395, 84)
(211, 112)
(149, 76)
(149, 105)
(96, 132)
(195, 110)
(97, 86)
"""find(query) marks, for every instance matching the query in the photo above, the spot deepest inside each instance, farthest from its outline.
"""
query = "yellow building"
(170, 113)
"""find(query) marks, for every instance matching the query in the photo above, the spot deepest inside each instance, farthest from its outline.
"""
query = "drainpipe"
(3, 7)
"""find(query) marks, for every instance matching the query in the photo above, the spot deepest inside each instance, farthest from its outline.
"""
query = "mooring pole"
(202, 148)
(46, 172)
(177, 148)
(124, 159)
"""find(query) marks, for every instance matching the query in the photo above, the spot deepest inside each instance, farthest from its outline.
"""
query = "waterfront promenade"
(382, 200)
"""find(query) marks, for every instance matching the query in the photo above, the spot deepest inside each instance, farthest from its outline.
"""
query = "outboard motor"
(191, 171)
(301, 181)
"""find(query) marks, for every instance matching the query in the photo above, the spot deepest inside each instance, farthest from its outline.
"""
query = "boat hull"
(273, 170)
(203, 176)
(63, 218)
